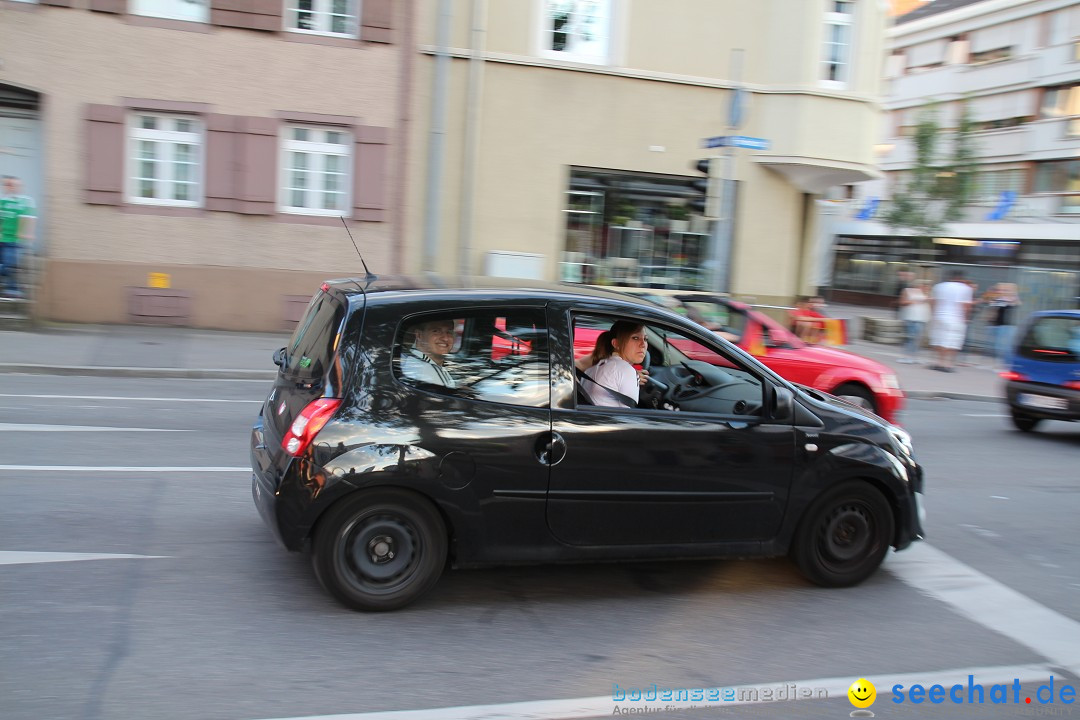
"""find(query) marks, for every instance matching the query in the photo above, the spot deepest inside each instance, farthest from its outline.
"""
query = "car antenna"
(367, 273)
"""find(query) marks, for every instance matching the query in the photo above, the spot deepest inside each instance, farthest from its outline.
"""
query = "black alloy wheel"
(844, 535)
(379, 549)
(1024, 423)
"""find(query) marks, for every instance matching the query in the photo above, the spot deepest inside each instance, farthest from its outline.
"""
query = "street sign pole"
(723, 226)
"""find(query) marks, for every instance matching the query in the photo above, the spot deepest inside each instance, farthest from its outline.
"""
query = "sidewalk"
(142, 351)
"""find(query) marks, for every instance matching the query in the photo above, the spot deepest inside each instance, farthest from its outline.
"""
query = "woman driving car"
(611, 364)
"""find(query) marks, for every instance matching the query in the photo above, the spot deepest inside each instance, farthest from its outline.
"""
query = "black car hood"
(820, 396)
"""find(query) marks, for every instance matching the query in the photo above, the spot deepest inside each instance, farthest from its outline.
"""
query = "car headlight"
(902, 440)
(890, 381)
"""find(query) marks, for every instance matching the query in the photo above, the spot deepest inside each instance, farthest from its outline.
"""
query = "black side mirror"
(782, 403)
(279, 358)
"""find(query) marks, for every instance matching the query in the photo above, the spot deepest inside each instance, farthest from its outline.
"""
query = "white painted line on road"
(993, 415)
(125, 397)
(16, 557)
(23, 427)
(605, 705)
(989, 603)
(122, 468)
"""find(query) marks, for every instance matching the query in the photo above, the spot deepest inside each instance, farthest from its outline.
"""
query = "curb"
(143, 372)
(936, 395)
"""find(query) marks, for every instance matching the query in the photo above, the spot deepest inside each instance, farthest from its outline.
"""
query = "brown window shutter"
(104, 155)
(109, 6)
(370, 179)
(256, 154)
(377, 20)
(222, 142)
(247, 14)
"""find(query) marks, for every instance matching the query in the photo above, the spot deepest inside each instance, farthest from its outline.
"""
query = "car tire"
(379, 549)
(844, 535)
(857, 394)
(1024, 423)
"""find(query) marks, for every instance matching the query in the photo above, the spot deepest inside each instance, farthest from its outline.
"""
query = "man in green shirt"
(13, 207)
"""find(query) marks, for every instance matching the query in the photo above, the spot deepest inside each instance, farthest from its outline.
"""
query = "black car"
(412, 426)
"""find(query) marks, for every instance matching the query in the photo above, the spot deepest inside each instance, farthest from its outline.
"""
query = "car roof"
(398, 285)
(1056, 313)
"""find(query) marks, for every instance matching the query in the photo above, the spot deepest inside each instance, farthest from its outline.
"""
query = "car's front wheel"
(379, 549)
(858, 395)
(844, 535)
(1025, 423)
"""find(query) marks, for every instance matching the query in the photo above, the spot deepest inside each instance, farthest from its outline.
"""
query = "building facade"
(1015, 66)
(192, 160)
(567, 142)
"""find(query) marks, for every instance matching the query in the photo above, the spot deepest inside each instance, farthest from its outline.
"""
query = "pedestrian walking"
(1002, 300)
(915, 312)
(16, 225)
(950, 303)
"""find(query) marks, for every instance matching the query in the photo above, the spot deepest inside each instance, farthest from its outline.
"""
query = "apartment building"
(567, 142)
(1015, 64)
(192, 160)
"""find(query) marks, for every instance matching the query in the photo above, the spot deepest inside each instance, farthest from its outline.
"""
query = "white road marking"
(990, 603)
(16, 557)
(998, 497)
(604, 705)
(23, 427)
(121, 468)
(994, 415)
(126, 397)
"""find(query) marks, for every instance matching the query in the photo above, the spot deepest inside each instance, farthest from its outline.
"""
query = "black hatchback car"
(412, 427)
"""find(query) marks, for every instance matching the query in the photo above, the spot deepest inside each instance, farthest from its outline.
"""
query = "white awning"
(815, 175)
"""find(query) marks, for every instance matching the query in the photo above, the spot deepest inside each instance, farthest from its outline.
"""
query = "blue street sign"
(739, 141)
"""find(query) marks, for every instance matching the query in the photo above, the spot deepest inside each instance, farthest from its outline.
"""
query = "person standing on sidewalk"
(950, 302)
(915, 312)
(1002, 301)
(16, 213)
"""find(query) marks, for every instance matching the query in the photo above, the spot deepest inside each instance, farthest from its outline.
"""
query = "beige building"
(210, 146)
(191, 160)
(572, 128)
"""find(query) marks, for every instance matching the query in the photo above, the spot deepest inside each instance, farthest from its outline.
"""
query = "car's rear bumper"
(1036, 400)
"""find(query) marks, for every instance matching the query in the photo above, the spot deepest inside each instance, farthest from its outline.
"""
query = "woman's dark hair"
(620, 330)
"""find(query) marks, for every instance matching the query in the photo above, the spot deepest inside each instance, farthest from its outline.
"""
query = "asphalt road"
(212, 621)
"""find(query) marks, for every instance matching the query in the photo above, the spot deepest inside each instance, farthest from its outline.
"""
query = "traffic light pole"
(722, 184)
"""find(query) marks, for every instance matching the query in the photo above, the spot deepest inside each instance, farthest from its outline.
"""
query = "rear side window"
(1052, 339)
(312, 345)
(493, 355)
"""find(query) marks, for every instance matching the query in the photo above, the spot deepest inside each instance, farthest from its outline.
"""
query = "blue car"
(1044, 373)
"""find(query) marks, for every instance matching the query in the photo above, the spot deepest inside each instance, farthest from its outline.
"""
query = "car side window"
(684, 374)
(496, 356)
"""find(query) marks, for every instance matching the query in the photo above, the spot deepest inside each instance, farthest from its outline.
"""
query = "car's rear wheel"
(379, 549)
(856, 394)
(844, 535)
(1025, 423)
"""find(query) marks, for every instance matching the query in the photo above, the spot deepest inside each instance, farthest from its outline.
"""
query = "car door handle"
(550, 449)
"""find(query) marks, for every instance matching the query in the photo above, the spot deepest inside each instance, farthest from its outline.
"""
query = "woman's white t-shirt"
(918, 305)
(613, 373)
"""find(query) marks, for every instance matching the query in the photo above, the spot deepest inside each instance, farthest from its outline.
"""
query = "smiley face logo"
(862, 693)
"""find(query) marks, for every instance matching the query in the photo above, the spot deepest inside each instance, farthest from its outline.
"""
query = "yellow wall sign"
(158, 280)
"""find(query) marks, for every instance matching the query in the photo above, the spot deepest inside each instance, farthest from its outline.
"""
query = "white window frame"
(831, 20)
(545, 29)
(318, 151)
(166, 140)
(175, 11)
(321, 9)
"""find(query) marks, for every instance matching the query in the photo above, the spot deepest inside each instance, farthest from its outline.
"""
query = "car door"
(663, 477)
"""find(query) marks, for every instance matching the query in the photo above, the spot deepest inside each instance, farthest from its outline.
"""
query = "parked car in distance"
(1043, 378)
(845, 374)
(413, 426)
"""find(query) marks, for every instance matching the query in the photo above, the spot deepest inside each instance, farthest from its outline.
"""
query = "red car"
(859, 380)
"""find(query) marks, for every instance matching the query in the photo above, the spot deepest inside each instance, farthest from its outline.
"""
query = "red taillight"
(308, 424)
(1013, 375)
(1073, 384)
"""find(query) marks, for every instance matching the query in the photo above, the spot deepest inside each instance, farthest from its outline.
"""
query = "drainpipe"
(470, 154)
(437, 136)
